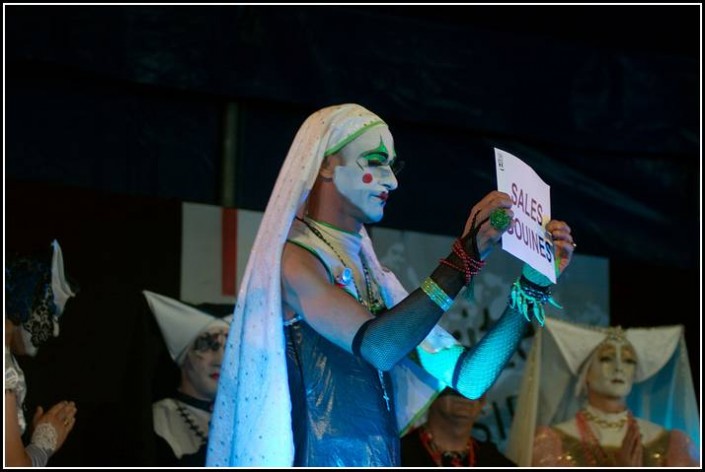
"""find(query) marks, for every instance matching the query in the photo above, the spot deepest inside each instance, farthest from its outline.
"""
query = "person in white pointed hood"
(606, 397)
(36, 292)
(195, 340)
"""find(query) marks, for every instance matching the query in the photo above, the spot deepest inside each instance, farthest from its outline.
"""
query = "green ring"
(500, 219)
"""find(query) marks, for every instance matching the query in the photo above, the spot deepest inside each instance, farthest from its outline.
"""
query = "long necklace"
(192, 424)
(464, 458)
(372, 304)
(590, 444)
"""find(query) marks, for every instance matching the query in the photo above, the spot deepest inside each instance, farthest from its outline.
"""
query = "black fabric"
(235, 40)
(414, 454)
(164, 455)
(194, 402)
(614, 130)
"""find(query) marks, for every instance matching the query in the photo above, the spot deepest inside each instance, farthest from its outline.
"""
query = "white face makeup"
(202, 364)
(612, 370)
(365, 176)
(27, 348)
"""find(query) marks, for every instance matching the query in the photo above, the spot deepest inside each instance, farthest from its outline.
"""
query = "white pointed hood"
(180, 323)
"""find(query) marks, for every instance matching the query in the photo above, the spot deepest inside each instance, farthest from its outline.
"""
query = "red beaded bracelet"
(471, 267)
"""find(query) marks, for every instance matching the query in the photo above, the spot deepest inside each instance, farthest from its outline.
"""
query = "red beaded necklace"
(464, 458)
(589, 443)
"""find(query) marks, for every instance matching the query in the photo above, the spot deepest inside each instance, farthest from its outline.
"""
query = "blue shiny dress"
(339, 415)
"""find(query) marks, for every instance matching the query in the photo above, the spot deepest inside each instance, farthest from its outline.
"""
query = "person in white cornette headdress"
(317, 369)
(195, 340)
(36, 292)
(601, 397)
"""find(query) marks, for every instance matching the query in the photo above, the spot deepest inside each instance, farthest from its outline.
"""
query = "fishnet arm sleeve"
(385, 340)
(477, 368)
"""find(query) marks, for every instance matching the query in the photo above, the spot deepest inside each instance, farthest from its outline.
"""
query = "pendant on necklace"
(344, 278)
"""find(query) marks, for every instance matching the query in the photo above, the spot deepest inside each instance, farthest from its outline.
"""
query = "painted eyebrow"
(380, 153)
(607, 351)
(628, 350)
(373, 153)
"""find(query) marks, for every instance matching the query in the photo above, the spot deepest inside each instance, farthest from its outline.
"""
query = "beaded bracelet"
(471, 267)
(436, 294)
(525, 296)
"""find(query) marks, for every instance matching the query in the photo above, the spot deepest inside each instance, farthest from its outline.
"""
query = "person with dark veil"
(36, 293)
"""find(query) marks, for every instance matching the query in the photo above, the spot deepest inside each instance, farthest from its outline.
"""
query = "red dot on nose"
(367, 178)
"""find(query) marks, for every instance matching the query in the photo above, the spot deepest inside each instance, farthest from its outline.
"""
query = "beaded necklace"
(372, 303)
(589, 443)
(192, 424)
(464, 458)
(603, 423)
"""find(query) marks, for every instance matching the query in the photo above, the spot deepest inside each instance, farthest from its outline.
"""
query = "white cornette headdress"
(180, 323)
(59, 284)
(251, 423)
(551, 385)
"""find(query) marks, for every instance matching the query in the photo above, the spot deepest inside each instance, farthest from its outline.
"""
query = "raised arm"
(389, 337)
(473, 370)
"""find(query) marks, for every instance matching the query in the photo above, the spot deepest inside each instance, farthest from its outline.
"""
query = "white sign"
(527, 237)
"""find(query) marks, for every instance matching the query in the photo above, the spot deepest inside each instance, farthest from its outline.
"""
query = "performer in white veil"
(252, 423)
(558, 422)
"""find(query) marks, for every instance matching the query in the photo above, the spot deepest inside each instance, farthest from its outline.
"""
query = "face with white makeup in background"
(201, 367)
(365, 176)
(612, 370)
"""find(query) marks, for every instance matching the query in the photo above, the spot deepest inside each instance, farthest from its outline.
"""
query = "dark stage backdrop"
(602, 101)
